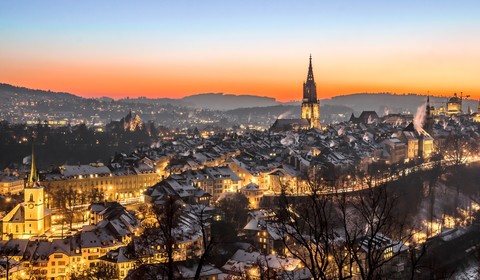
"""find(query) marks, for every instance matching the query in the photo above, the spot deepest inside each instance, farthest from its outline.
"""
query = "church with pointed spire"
(310, 115)
(429, 111)
(310, 104)
(30, 218)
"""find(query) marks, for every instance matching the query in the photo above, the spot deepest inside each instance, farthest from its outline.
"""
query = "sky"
(178, 48)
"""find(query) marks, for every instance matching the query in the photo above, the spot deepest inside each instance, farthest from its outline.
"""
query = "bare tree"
(261, 270)
(156, 248)
(158, 238)
(168, 218)
(207, 241)
(307, 231)
(432, 176)
(7, 254)
(235, 209)
(458, 150)
(100, 272)
(353, 234)
(416, 254)
(375, 233)
(66, 200)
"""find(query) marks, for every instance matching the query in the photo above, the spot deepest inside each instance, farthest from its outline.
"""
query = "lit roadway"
(358, 186)
(353, 187)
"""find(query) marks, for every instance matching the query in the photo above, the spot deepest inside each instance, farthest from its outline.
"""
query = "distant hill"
(389, 102)
(221, 101)
(7, 91)
(212, 101)
(358, 102)
(155, 101)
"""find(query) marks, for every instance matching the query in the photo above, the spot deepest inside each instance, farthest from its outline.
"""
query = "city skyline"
(179, 49)
(157, 140)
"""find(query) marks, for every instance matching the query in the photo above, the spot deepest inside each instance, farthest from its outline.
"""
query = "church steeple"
(309, 87)
(36, 221)
(428, 125)
(310, 71)
(310, 104)
(33, 177)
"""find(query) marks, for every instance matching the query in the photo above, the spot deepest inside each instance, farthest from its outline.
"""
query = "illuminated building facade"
(454, 105)
(120, 185)
(30, 218)
(310, 104)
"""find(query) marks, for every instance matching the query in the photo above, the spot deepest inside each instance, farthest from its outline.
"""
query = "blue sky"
(239, 46)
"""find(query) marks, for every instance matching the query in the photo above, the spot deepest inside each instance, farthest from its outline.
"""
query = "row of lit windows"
(125, 265)
(151, 178)
(60, 270)
(178, 246)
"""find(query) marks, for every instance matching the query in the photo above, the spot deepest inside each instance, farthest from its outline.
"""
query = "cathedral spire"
(310, 71)
(33, 177)
(309, 87)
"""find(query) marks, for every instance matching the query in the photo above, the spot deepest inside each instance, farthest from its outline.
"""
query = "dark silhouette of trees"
(371, 227)
(158, 238)
(458, 149)
(66, 200)
(235, 209)
(99, 272)
(307, 230)
(433, 176)
(7, 254)
(155, 250)
(208, 241)
(168, 218)
(343, 235)
(69, 144)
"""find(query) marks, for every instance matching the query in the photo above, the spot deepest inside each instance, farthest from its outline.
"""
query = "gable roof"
(288, 124)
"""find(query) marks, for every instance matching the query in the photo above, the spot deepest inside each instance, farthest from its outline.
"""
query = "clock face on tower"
(30, 205)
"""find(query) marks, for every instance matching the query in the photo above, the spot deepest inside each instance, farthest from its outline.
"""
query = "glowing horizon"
(173, 50)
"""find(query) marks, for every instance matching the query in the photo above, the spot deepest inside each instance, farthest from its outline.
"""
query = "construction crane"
(462, 96)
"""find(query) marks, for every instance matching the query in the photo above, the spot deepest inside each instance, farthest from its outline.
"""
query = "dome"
(454, 99)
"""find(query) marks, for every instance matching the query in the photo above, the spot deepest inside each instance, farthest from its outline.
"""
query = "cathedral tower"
(310, 104)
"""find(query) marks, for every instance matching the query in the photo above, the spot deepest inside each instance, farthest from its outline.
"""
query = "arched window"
(31, 197)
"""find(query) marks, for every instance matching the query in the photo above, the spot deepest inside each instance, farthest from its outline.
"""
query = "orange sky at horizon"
(323, 92)
(281, 93)
(90, 80)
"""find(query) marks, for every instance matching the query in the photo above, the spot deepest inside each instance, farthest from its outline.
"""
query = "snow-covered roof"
(206, 270)
(84, 170)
